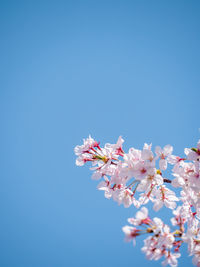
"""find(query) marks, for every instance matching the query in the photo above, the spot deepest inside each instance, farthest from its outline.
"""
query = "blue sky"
(73, 68)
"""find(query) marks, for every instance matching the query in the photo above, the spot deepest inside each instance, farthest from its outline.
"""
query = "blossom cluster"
(137, 177)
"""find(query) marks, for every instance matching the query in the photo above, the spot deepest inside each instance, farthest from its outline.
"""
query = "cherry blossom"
(163, 154)
(164, 196)
(134, 179)
(130, 233)
(171, 259)
(140, 218)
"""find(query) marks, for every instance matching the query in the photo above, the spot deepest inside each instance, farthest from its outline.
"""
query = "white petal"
(168, 150)
(96, 176)
(163, 164)
(158, 150)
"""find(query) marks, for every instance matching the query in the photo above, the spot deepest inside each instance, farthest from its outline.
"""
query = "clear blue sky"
(73, 68)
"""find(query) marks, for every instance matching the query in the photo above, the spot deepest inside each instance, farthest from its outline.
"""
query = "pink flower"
(130, 233)
(193, 153)
(171, 259)
(124, 175)
(164, 196)
(163, 154)
(140, 218)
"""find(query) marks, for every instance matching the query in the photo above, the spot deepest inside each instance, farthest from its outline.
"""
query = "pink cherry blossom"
(163, 154)
(130, 233)
(164, 196)
(140, 218)
(132, 179)
(171, 259)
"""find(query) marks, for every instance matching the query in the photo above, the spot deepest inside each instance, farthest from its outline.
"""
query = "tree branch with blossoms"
(135, 178)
